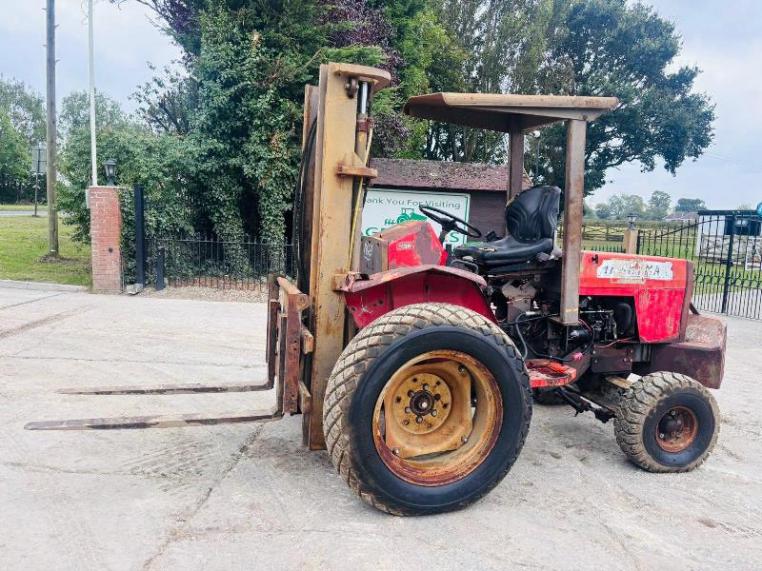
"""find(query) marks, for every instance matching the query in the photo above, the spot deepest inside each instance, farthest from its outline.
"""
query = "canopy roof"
(500, 112)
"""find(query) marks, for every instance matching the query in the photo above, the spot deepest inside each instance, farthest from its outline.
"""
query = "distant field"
(23, 245)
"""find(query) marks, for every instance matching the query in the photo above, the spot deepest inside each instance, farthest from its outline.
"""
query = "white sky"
(722, 38)
(125, 41)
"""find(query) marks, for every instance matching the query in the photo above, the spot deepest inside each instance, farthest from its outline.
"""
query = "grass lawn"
(7, 207)
(24, 242)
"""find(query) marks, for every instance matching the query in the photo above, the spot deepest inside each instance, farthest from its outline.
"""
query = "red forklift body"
(408, 244)
(369, 298)
(405, 264)
(426, 410)
(659, 288)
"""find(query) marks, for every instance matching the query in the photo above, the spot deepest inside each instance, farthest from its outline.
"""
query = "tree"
(237, 101)
(690, 205)
(603, 211)
(578, 47)
(158, 162)
(422, 44)
(622, 205)
(499, 46)
(75, 113)
(166, 103)
(659, 205)
(15, 159)
(238, 95)
(609, 47)
(240, 101)
(24, 109)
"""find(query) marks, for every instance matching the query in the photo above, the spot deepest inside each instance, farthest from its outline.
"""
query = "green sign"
(386, 207)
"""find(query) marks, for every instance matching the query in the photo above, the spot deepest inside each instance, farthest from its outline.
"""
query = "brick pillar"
(630, 241)
(105, 233)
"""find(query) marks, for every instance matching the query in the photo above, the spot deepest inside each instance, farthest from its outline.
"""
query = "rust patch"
(448, 466)
(436, 175)
(702, 354)
(358, 282)
(677, 429)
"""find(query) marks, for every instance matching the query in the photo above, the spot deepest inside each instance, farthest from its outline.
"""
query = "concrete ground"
(249, 497)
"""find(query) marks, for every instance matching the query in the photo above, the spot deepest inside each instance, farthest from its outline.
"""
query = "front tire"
(427, 409)
(667, 422)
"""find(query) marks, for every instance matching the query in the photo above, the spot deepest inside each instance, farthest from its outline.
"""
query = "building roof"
(404, 173)
(506, 112)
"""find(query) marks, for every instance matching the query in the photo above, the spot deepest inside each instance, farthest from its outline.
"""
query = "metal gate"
(208, 261)
(726, 249)
(200, 260)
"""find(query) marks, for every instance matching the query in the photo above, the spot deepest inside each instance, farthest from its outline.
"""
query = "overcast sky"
(722, 38)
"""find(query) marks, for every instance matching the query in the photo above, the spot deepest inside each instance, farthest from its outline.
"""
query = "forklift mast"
(338, 112)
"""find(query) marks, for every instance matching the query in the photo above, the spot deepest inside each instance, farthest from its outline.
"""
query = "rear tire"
(667, 422)
(414, 484)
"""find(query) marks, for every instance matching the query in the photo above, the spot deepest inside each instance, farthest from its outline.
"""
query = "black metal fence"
(599, 237)
(604, 247)
(210, 262)
(726, 249)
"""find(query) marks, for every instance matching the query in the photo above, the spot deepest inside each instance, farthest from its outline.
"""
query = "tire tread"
(371, 342)
(638, 400)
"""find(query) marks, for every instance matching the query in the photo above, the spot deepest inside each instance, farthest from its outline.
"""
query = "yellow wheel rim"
(438, 418)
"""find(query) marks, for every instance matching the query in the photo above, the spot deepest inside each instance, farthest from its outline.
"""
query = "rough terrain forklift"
(416, 365)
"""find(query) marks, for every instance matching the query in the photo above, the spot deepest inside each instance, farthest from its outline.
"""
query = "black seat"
(531, 219)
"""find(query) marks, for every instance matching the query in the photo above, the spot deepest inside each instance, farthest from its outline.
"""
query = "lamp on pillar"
(631, 218)
(110, 168)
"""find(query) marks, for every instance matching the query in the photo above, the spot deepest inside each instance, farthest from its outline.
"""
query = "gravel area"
(258, 295)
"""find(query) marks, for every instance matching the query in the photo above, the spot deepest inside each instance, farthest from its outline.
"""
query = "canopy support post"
(516, 168)
(576, 132)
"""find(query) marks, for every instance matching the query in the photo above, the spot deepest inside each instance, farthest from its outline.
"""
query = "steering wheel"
(449, 223)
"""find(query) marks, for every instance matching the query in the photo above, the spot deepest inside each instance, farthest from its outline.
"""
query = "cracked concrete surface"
(249, 497)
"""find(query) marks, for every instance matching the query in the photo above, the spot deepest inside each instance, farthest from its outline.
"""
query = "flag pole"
(91, 51)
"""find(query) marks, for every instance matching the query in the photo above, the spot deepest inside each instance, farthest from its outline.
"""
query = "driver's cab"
(531, 215)
(531, 219)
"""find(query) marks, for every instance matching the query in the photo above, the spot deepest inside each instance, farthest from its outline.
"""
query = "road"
(10, 213)
(249, 497)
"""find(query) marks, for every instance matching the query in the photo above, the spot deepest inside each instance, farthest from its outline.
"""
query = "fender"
(700, 355)
(370, 297)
